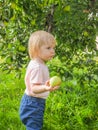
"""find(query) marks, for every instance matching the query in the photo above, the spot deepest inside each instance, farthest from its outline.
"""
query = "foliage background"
(74, 24)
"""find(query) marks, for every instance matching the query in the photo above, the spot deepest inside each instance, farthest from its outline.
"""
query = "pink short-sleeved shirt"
(37, 73)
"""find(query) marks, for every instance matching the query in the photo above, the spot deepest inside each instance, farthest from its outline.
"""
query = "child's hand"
(49, 88)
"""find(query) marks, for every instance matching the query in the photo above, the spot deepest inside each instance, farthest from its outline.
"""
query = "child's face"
(46, 52)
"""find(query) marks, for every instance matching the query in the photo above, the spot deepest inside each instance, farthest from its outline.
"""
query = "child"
(41, 49)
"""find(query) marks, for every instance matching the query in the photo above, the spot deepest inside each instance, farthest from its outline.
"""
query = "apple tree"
(68, 20)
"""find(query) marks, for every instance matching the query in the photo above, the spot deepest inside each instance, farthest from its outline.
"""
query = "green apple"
(85, 33)
(55, 81)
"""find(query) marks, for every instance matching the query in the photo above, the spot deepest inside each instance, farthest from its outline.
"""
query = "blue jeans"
(32, 112)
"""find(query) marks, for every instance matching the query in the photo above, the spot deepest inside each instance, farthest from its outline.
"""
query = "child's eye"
(48, 48)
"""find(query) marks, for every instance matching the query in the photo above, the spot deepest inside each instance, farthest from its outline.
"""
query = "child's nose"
(52, 51)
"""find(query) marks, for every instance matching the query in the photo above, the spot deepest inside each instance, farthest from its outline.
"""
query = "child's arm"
(38, 88)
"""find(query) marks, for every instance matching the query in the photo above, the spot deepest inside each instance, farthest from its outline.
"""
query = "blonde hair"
(37, 39)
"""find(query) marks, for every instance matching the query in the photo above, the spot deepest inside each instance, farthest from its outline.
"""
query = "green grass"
(69, 108)
(11, 90)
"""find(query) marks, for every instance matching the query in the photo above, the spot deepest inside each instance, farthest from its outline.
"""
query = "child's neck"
(39, 60)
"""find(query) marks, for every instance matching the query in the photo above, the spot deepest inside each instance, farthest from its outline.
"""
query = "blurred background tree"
(73, 23)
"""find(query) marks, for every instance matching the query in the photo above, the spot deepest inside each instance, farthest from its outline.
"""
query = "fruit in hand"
(55, 81)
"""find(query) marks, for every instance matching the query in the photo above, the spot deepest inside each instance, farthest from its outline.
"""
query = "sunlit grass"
(72, 107)
(11, 90)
